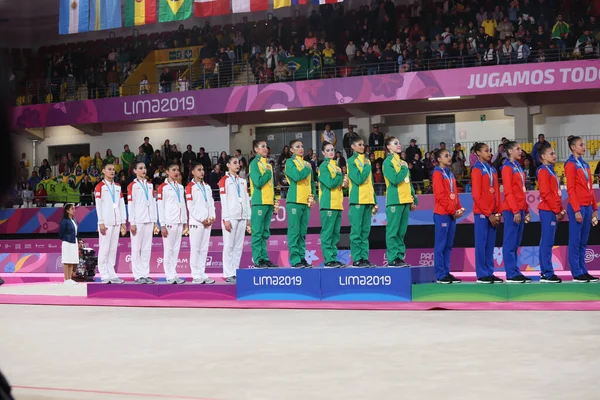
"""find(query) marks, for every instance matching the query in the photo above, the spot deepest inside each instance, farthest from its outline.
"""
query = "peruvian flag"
(240, 6)
(208, 8)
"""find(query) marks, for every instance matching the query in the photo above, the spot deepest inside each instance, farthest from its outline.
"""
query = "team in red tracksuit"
(446, 210)
(515, 211)
(487, 207)
(582, 205)
(551, 212)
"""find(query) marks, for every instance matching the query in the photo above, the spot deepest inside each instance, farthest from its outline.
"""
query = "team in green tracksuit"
(331, 198)
(262, 191)
(400, 200)
(299, 200)
(363, 204)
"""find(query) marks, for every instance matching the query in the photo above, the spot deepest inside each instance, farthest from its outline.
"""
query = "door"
(441, 128)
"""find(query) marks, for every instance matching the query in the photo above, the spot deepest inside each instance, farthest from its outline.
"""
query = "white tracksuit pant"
(199, 239)
(107, 252)
(141, 249)
(233, 244)
(171, 246)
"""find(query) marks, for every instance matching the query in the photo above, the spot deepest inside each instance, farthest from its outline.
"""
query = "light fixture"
(444, 98)
(277, 109)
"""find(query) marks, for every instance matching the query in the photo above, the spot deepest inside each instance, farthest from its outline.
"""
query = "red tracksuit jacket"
(444, 205)
(580, 194)
(548, 186)
(512, 181)
(484, 201)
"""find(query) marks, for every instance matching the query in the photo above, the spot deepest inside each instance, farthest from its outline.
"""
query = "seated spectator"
(506, 29)
(142, 156)
(282, 72)
(522, 51)
(490, 57)
(27, 196)
(214, 177)
(110, 158)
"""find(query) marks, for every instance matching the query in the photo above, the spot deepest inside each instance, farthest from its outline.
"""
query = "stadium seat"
(593, 165)
(528, 147)
(559, 168)
(592, 146)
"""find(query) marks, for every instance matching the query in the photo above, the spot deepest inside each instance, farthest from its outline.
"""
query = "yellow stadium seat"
(593, 165)
(528, 147)
(592, 146)
(553, 144)
(379, 154)
(426, 183)
(559, 168)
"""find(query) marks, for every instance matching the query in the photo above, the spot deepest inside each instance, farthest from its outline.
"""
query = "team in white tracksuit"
(172, 215)
(110, 208)
(201, 207)
(142, 220)
(235, 218)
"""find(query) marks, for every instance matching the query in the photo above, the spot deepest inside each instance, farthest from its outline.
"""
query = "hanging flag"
(140, 12)
(281, 3)
(240, 6)
(321, 2)
(73, 16)
(174, 10)
(105, 14)
(208, 8)
(299, 2)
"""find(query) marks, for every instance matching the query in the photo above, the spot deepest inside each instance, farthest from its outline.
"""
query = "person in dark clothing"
(85, 190)
(348, 136)
(55, 83)
(225, 68)
(412, 150)
(166, 81)
(419, 170)
(148, 149)
(204, 159)
(92, 83)
(189, 158)
(376, 138)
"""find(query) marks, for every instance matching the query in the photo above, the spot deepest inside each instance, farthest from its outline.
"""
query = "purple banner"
(520, 78)
(463, 259)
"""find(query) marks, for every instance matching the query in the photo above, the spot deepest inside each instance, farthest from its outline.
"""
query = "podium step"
(505, 292)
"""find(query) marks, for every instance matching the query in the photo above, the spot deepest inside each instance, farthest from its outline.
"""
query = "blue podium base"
(343, 284)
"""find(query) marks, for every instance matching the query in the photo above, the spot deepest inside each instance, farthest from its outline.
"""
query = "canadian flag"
(240, 6)
(208, 8)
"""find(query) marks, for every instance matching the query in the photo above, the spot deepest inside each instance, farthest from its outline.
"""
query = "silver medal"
(114, 206)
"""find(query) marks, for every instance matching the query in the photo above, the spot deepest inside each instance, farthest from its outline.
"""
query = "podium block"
(279, 284)
(366, 284)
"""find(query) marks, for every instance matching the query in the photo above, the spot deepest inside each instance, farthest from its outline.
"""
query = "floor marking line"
(163, 396)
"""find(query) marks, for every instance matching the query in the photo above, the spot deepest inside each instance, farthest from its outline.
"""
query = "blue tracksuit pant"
(485, 240)
(578, 237)
(445, 228)
(513, 233)
(548, 224)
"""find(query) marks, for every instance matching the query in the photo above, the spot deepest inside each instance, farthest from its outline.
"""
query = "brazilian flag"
(303, 67)
(174, 10)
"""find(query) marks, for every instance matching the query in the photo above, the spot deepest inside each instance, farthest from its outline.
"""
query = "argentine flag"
(74, 16)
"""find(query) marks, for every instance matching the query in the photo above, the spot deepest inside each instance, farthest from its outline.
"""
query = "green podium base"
(473, 292)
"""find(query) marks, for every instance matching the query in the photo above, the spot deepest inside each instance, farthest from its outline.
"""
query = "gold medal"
(452, 196)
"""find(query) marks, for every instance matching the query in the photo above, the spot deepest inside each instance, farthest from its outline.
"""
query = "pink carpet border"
(304, 305)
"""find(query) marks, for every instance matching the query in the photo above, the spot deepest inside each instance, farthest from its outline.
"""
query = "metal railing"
(243, 73)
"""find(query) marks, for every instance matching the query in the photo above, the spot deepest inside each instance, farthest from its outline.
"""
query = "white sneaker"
(117, 280)
(74, 283)
(179, 281)
(200, 281)
(70, 282)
